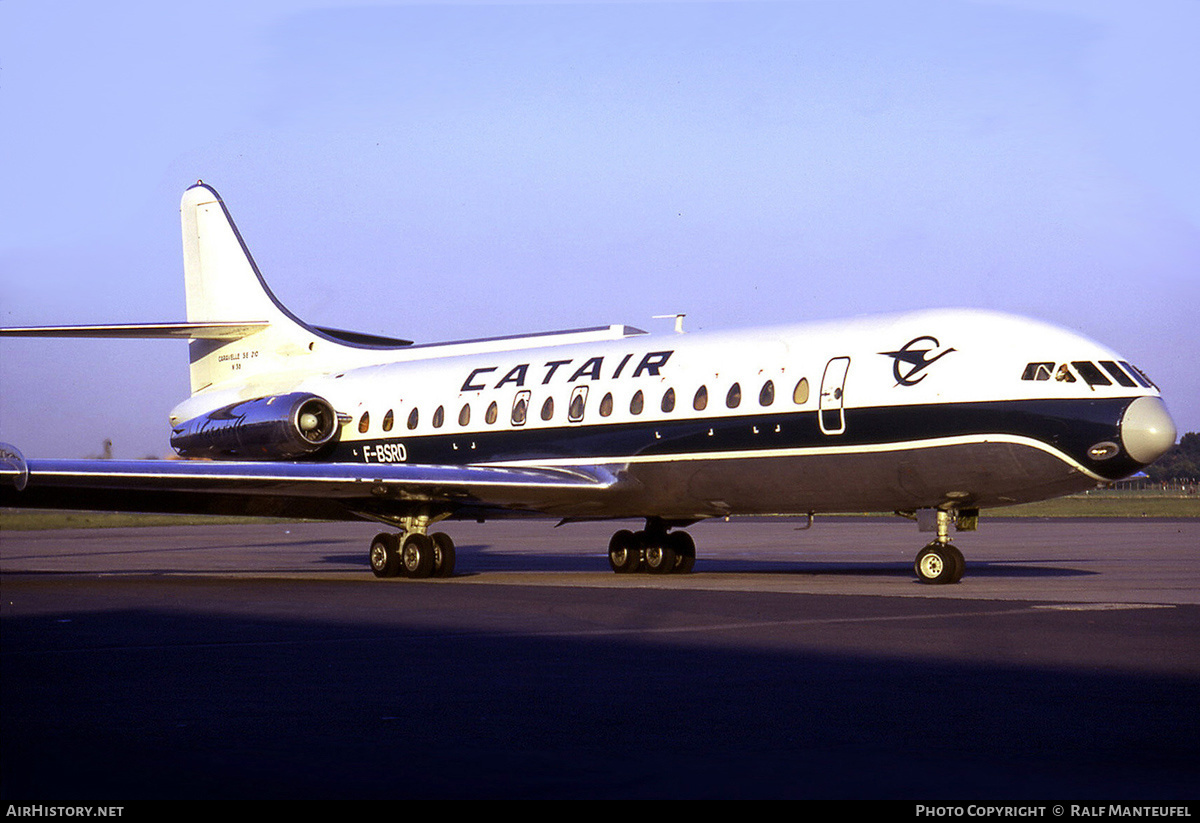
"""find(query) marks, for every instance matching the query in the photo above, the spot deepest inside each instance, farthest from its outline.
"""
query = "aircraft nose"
(1147, 430)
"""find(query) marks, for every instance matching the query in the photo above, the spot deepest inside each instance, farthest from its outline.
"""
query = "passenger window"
(548, 408)
(364, 422)
(700, 401)
(1118, 373)
(767, 396)
(493, 412)
(388, 420)
(734, 398)
(439, 417)
(1087, 369)
(637, 403)
(520, 408)
(412, 419)
(464, 414)
(800, 393)
(1038, 371)
(606, 405)
(578, 402)
(668, 401)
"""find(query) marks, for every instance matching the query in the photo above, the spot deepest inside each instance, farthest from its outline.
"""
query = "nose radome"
(1147, 430)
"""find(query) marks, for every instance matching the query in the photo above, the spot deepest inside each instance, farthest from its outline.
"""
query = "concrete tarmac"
(265, 662)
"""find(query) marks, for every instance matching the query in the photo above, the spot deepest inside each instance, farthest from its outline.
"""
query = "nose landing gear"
(940, 562)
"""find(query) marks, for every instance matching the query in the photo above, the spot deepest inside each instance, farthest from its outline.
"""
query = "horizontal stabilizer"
(222, 330)
(228, 330)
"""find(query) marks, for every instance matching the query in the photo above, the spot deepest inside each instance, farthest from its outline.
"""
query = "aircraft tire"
(938, 564)
(443, 554)
(685, 551)
(417, 555)
(624, 552)
(660, 556)
(960, 562)
(384, 556)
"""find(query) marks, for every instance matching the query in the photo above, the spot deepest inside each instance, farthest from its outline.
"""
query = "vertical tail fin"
(222, 281)
(224, 284)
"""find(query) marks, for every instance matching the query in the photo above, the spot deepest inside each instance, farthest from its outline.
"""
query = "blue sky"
(436, 171)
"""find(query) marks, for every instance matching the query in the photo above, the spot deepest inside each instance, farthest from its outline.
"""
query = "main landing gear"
(653, 550)
(412, 554)
(940, 561)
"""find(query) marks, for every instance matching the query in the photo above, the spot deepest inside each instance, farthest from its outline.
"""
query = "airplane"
(933, 415)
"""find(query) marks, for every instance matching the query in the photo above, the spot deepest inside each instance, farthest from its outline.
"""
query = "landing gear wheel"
(624, 552)
(384, 556)
(660, 556)
(685, 551)
(939, 563)
(443, 554)
(960, 562)
(417, 555)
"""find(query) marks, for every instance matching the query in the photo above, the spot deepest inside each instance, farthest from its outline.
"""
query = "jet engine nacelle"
(282, 427)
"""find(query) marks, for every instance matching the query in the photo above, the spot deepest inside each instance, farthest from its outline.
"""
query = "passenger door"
(832, 413)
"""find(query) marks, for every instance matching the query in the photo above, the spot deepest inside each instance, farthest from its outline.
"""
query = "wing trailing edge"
(337, 491)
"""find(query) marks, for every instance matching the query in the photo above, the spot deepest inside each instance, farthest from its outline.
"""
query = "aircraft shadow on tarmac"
(481, 558)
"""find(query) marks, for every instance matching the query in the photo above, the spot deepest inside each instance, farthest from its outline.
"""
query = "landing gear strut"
(940, 561)
(412, 553)
(653, 550)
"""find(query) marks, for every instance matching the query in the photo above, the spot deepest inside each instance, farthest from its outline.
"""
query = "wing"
(323, 491)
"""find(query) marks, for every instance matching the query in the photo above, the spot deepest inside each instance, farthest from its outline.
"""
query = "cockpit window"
(1118, 373)
(1139, 376)
(1038, 371)
(1088, 370)
(1102, 375)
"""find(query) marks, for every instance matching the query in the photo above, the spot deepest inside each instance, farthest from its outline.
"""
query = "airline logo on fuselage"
(911, 361)
(590, 369)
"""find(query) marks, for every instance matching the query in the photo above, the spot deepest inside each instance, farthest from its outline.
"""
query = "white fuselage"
(904, 411)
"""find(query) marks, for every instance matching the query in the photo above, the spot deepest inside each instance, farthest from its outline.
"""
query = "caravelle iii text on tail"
(933, 415)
